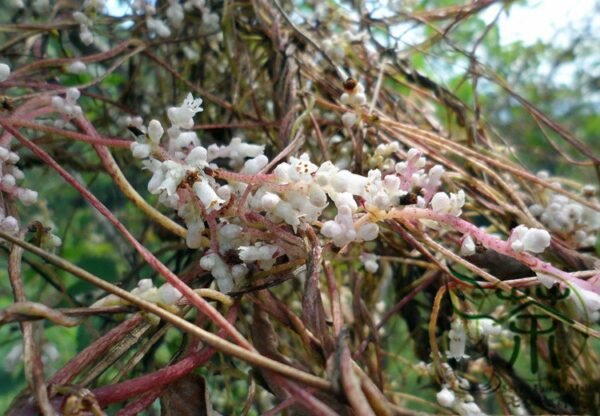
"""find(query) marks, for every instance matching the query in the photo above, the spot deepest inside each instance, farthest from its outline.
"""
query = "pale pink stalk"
(492, 242)
(107, 141)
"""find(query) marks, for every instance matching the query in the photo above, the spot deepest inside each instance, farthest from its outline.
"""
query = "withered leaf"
(188, 396)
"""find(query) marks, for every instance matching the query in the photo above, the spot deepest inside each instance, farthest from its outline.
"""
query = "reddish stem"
(115, 393)
(66, 374)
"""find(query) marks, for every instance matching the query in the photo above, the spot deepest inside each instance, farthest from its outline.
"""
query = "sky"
(541, 19)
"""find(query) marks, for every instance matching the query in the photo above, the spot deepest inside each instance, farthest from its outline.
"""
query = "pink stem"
(147, 383)
(70, 134)
(489, 241)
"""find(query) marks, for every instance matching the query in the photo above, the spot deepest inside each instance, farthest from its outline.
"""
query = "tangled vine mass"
(268, 207)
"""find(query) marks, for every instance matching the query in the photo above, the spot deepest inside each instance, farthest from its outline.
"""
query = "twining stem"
(209, 338)
(489, 241)
(34, 369)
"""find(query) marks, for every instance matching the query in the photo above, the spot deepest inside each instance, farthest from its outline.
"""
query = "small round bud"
(4, 72)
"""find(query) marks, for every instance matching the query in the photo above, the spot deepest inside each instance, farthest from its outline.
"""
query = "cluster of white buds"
(165, 295)
(464, 406)
(225, 275)
(566, 216)
(382, 156)
(175, 15)
(9, 175)
(76, 67)
(264, 254)
(296, 193)
(85, 34)
(335, 46)
(472, 329)
(157, 26)
(355, 98)
(445, 204)
(68, 105)
(534, 240)
(4, 72)
(369, 261)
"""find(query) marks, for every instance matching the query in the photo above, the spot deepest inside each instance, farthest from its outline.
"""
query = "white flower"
(4, 72)
(168, 294)
(140, 150)
(586, 302)
(220, 271)
(9, 225)
(534, 240)
(155, 131)
(341, 229)
(158, 26)
(207, 195)
(445, 204)
(253, 166)
(86, 35)
(349, 119)
(368, 231)
(76, 67)
(257, 252)
(269, 201)
(175, 14)
(27, 196)
(194, 234)
(445, 397)
(370, 262)
(197, 157)
(458, 340)
(484, 327)
(467, 247)
(8, 181)
(183, 116)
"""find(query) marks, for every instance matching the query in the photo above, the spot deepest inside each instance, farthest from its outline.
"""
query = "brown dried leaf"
(188, 396)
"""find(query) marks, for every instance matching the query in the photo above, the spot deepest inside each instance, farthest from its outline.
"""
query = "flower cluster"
(9, 175)
(355, 98)
(165, 295)
(68, 105)
(175, 15)
(566, 216)
(534, 240)
(295, 194)
(463, 406)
